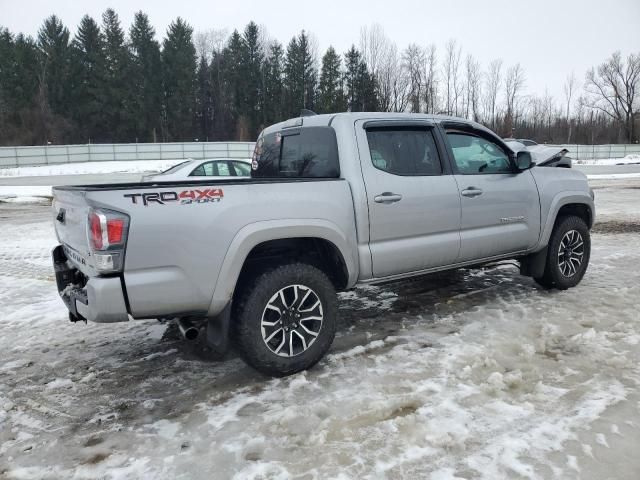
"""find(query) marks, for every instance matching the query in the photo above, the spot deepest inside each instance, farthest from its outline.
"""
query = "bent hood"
(543, 155)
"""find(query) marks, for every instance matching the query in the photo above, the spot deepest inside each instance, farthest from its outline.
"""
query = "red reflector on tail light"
(96, 231)
(115, 227)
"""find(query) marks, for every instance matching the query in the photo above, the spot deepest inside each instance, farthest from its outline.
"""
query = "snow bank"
(139, 166)
(612, 176)
(24, 194)
(628, 160)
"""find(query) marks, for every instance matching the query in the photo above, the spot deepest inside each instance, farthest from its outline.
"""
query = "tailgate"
(70, 211)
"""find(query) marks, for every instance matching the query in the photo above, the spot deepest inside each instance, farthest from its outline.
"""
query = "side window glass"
(242, 169)
(205, 170)
(211, 169)
(475, 155)
(223, 169)
(404, 150)
(307, 152)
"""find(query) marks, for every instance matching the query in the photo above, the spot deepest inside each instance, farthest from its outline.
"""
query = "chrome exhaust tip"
(188, 330)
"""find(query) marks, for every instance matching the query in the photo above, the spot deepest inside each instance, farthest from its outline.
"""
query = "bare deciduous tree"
(493, 82)
(613, 89)
(374, 46)
(450, 71)
(569, 87)
(392, 81)
(473, 84)
(208, 42)
(431, 80)
(513, 85)
(414, 60)
(548, 106)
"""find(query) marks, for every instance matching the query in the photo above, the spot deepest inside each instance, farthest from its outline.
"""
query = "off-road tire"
(251, 302)
(553, 276)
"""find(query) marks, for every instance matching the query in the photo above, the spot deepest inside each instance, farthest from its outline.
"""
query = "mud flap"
(218, 331)
(533, 265)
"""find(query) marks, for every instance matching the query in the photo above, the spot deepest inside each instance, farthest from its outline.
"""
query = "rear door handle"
(472, 192)
(387, 197)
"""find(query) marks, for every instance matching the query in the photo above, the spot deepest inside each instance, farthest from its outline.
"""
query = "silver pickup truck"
(333, 201)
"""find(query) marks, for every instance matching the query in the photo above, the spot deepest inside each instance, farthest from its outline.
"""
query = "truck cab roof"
(328, 119)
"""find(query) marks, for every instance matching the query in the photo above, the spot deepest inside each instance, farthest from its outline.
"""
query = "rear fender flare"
(256, 233)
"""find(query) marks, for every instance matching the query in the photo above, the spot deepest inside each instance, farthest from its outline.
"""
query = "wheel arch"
(316, 241)
(565, 204)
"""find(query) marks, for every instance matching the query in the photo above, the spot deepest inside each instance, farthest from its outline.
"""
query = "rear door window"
(404, 150)
(242, 169)
(309, 152)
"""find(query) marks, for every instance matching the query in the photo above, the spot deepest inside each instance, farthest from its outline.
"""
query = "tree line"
(106, 85)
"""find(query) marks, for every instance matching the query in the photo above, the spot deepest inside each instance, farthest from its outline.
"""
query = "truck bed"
(181, 232)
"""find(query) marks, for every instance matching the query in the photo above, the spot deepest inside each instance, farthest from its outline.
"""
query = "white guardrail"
(596, 152)
(11, 157)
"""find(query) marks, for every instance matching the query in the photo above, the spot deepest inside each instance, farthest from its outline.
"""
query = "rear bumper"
(99, 299)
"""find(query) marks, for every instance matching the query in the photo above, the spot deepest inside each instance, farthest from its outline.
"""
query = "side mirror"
(524, 160)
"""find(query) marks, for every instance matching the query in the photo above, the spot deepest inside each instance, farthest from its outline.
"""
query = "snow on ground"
(611, 176)
(630, 159)
(473, 374)
(85, 168)
(27, 193)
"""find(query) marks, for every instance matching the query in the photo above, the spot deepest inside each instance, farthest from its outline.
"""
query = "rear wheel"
(568, 254)
(285, 319)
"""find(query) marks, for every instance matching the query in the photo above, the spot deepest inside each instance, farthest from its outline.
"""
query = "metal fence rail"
(56, 154)
(596, 152)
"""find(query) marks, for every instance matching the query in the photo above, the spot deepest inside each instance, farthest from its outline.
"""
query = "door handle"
(472, 192)
(387, 197)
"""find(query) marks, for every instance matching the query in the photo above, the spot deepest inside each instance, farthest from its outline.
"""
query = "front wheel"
(285, 319)
(568, 254)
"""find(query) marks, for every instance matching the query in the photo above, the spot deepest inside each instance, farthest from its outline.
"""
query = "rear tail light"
(107, 232)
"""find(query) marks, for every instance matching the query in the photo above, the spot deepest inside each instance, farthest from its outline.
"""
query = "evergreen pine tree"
(88, 81)
(273, 88)
(118, 107)
(252, 79)
(359, 84)
(233, 85)
(18, 89)
(179, 74)
(299, 76)
(146, 79)
(223, 127)
(53, 42)
(330, 94)
(54, 85)
(204, 100)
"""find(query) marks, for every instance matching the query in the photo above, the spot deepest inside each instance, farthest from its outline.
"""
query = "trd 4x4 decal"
(184, 197)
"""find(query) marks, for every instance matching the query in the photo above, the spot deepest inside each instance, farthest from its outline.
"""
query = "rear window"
(175, 167)
(310, 152)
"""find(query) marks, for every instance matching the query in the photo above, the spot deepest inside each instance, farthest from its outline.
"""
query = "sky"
(549, 38)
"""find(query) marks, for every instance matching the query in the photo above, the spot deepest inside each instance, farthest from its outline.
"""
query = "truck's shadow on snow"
(373, 312)
(366, 314)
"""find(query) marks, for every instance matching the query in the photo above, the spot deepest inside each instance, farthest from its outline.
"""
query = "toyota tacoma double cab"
(333, 201)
